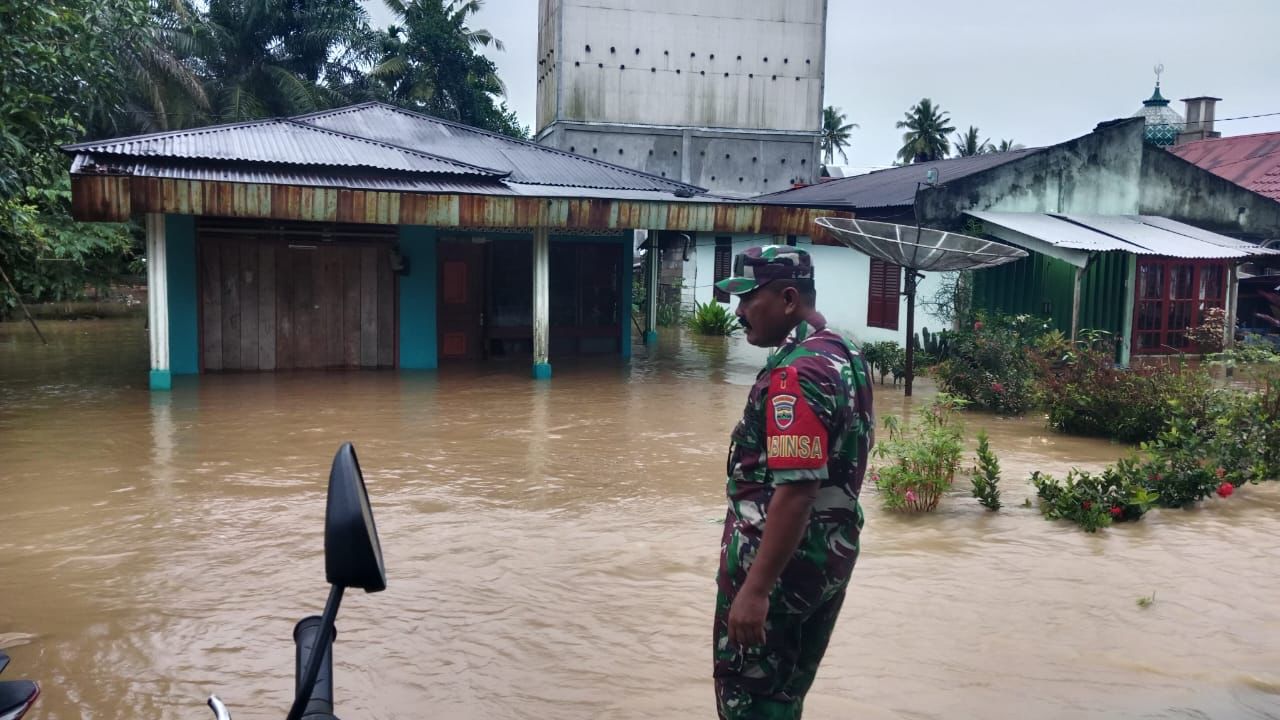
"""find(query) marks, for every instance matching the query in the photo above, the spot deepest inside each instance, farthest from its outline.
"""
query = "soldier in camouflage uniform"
(795, 467)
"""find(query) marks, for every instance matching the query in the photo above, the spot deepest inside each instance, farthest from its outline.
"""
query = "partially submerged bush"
(885, 357)
(712, 319)
(1094, 500)
(990, 366)
(1086, 393)
(923, 466)
(986, 474)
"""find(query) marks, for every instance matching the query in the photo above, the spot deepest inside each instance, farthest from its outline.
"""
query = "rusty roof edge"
(500, 136)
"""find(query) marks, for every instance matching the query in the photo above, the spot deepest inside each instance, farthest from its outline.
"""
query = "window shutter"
(723, 263)
(884, 286)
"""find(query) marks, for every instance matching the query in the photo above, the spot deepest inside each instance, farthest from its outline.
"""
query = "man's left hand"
(746, 618)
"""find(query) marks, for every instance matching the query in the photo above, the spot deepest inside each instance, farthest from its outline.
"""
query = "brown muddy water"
(551, 551)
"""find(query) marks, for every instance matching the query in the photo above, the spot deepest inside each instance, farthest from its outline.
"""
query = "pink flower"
(910, 496)
(1225, 489)
(997, 388)
(1086, 505)
(977, 325)
(1116, 511)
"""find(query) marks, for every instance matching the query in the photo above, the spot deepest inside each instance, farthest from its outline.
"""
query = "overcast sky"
(1035, 71)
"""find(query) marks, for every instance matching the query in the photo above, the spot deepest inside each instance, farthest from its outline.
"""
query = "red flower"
(977, 325)
(997, 388)
(1086, 505)
(1116, 511)
(1221, 472)
(1225, 489)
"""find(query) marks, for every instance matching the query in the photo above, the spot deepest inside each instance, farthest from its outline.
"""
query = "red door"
(461, 315)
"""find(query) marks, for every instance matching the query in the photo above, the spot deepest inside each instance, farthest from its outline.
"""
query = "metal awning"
(1073, 238)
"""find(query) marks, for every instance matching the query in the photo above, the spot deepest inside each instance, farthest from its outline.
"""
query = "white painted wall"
(693, 63)
(841, 281)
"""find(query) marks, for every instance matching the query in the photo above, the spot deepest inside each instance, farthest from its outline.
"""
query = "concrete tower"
(724, 94)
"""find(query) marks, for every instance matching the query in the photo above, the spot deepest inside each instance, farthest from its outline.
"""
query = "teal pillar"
(418, 249)
(184, 324)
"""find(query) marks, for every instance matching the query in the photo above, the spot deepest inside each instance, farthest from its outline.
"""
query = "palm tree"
(429, 63)
(926, 137)
(968, 144)
(835, 134)
(1006, 146)
(277, 57)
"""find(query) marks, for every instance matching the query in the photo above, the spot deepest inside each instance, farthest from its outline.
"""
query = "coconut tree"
(968, 144)
(428, 61)
(835, 134)
(277, 57)
(1007, 145)
(927, 128)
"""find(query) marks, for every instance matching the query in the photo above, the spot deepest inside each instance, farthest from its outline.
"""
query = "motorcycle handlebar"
(305, 634)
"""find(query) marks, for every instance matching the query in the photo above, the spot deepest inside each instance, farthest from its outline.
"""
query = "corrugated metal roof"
(892, 187)
(282, 141)
(1251, 161)
(525, 161)
(1139, 234)
(1054, 230)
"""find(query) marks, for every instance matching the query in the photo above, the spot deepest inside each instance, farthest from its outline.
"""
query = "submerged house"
(374, 237)
(1122, 235)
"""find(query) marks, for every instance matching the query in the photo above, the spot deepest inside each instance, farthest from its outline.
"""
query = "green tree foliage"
(58, 56)
(835, 134)
(970, 144)
(927, 127)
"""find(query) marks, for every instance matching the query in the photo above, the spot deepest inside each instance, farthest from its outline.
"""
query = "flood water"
(551, 551)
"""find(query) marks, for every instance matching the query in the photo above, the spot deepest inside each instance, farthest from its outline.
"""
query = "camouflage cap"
(756, 266)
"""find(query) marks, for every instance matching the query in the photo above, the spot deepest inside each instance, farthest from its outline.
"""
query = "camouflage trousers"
(769, 682)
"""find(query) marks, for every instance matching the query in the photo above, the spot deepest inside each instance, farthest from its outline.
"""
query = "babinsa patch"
(795, 439)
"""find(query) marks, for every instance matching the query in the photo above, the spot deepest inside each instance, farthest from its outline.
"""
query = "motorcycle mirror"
(352, 555)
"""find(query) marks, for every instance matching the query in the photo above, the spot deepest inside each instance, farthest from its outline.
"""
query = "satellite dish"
(918, 249)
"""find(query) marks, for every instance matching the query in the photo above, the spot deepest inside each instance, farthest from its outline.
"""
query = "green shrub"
(986, 474)
(885, 357)
(923, 466)
(990, 366)
(712, 319)
(1094, 500)
(1086, 393)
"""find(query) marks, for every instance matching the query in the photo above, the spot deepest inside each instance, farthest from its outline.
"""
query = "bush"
(1210, 335)
(712, 319)
(986, 474)
(1086, 393)
(1094, 500)
(924, 465)
(885, 357)
(990, 366)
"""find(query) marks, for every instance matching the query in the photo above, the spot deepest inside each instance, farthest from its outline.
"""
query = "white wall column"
(158, 302)
(1130, 299)
(1075, 304)
(1233, 297)
(541, 303)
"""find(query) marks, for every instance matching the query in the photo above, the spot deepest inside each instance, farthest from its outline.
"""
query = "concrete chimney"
(1199, 116)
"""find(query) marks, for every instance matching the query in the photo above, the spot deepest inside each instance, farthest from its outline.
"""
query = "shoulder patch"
(795, 438)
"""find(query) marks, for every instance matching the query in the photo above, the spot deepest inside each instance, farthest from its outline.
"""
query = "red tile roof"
(1251, 161)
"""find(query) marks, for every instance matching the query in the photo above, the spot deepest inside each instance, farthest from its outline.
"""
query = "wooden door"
(271, 305)
(461, 314)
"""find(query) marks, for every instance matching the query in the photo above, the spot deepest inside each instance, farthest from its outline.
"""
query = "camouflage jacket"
(808, 417)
